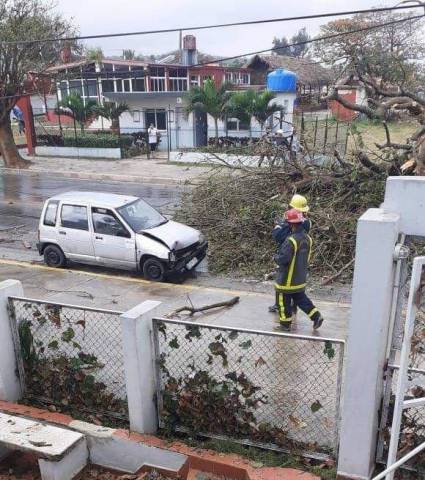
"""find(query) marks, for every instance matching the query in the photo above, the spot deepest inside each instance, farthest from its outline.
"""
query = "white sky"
(107, 16)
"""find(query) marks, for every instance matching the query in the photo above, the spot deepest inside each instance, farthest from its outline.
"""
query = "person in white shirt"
(152, 138)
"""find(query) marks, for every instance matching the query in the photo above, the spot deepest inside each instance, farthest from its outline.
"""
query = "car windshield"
(141, 216)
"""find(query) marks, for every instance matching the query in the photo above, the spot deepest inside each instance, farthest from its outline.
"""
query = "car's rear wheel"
(153, 269)
(54, 257)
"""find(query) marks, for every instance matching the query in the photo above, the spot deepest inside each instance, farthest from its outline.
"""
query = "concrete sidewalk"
(118, 292)
(137, 169)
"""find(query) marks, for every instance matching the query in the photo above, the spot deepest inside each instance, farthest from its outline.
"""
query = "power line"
(305, 42)
(222, 25)
(312, 40)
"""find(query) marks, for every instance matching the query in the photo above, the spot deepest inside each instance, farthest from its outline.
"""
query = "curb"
(95, 176)
(106, 443)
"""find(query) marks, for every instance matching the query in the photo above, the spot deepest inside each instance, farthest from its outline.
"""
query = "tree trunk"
(420, 156)
(115, 125)
(8, 150)
(216, 129)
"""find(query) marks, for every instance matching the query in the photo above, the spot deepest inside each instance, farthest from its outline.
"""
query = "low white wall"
(113, 153)
(208, 158)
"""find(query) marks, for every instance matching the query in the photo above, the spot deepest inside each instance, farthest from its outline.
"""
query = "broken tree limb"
(192, 310)
(338, 273)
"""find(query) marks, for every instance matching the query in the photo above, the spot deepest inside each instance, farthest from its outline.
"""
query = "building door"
(200, 128)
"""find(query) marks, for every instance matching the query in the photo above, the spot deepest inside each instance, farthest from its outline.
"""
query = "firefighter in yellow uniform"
(293, 259)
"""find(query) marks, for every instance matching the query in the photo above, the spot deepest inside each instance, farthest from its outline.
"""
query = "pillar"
(139, 364)
(377, 235)
(24, 103)
(10, 389)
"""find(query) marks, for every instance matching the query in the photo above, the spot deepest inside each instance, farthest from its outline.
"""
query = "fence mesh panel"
(70, 358)
(273, 390)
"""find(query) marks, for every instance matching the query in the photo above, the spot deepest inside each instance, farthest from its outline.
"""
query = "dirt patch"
(23, 466)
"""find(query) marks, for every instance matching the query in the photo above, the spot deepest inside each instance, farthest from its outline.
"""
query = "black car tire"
(54, 257)
(153, 269)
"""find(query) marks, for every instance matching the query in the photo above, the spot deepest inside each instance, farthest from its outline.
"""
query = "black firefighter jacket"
(293, 259)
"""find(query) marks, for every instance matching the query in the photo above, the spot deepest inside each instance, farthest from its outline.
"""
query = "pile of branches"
(237, 208)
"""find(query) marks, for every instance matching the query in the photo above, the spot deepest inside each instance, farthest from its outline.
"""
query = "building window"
(232, 124)
(237, 125)
(207, 77)
(136, 116)
(90, 88)
(108, 86)
(157, 117)
(138, 84)
(126, 84)
(157, 84)
(121, 68)
(157, 71)
(119, 86)
(237, 78)
(194, 80)
(76, 87)
(63, 89)
(178, 84)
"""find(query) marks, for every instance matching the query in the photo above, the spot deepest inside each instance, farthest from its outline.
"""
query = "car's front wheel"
(54, 257)
(153, 269)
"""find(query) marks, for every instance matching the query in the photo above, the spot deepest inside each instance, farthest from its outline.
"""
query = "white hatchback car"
(116, 231)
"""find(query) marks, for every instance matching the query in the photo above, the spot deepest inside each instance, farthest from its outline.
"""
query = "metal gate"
(412, 432)
(70, 358)
(273, 390)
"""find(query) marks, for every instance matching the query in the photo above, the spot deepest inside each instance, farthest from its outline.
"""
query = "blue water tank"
(282, 81)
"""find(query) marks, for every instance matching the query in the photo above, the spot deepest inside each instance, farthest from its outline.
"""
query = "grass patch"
(265, 458)
(373, 132)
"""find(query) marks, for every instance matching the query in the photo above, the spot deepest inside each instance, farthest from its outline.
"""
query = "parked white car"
(116, 231)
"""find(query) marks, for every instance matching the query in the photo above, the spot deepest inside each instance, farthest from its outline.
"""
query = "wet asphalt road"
(22, 196)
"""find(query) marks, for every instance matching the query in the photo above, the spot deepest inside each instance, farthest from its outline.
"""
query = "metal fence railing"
(412, 432)
(273, 390)
(70, 358)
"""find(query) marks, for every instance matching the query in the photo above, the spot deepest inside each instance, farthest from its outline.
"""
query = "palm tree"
(73, 106)
(209, 99)
(112, 111)
(241, 106)
(263, 109)
(248, 104)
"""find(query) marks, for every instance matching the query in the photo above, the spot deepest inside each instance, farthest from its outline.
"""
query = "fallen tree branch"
(338, 273)
(192, 310)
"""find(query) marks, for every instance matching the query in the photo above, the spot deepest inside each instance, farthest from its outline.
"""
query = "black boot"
(273, 309)
(317, 322)
(285, 326)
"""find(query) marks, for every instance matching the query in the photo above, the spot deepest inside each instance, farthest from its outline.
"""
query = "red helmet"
(294, 216)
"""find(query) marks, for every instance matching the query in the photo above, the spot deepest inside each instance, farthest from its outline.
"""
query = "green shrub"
(89, 140)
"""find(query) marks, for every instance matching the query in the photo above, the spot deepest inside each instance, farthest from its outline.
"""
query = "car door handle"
(99, 238)
(62, 232)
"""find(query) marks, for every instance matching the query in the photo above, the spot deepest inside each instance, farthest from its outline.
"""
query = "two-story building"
(154, 92)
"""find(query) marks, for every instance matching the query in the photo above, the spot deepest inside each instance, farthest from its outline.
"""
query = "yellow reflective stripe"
(311, 247)
(292, 265)
(292, 287)
(282, 315)
(313, 312)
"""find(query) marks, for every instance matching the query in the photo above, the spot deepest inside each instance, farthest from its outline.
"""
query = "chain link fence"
(273, 390)
(70, 359)
(412, 432)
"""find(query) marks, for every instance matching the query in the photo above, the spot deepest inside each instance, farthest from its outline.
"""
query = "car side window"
(51, 213)
(106, 223)
(74, 216)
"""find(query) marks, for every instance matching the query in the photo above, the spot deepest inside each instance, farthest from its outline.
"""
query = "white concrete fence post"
(10, 389)
(139, 364)
(377, 235)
